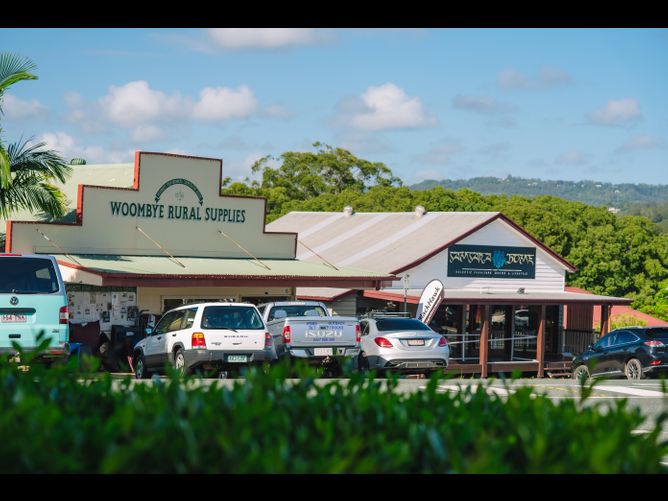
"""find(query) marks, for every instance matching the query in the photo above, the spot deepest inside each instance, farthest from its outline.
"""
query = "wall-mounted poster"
(491, 261)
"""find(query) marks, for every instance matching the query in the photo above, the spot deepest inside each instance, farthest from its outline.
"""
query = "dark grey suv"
(634, 352)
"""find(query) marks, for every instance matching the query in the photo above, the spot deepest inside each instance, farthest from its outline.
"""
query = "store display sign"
(491, 261)
(180, 211)
(430, 299)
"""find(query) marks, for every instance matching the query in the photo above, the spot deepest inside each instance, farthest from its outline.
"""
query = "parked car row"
(224, 337)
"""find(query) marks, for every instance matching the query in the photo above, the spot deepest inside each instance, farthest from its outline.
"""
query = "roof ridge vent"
(348, 211)
(420, 211)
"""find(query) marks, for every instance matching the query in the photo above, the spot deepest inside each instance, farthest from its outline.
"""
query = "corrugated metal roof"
(378, 241)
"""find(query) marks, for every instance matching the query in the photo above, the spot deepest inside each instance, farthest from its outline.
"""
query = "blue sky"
(430, 103)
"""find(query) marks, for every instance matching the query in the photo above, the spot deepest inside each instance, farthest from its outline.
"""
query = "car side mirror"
(148, 331)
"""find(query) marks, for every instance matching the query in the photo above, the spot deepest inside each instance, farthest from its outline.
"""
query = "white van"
(32, 301)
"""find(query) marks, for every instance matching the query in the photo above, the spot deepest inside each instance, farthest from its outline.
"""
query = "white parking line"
(490, 389)
(637, 392)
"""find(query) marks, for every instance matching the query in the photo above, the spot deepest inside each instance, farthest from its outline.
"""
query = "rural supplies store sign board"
(491, 261)
(174, 206)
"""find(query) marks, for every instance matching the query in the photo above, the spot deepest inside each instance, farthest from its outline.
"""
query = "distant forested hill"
(590, 192)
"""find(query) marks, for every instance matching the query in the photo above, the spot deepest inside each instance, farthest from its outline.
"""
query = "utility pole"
(407, 283)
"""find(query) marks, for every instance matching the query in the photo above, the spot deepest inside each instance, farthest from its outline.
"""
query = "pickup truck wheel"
(140, 367)
(180, 362)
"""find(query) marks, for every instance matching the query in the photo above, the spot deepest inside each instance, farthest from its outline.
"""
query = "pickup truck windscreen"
(301, 310)
(231, 317)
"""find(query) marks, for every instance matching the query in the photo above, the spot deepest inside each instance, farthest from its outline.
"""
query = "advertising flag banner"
(430, 300)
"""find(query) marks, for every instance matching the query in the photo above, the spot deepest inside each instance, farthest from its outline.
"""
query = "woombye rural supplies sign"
(491, 261)
(175, 202)
(178, 210)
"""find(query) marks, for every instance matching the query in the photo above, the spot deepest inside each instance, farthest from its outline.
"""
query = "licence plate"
(322, 352)
(237, 358)
(416, 342)
(12, 318)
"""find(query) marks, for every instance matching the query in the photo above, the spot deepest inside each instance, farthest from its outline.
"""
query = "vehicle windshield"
(231, 317)
(660, 334)
(400, 324)
(27, 275)
(297, 310)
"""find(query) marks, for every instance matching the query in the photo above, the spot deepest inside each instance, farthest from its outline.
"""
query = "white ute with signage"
(303, 330)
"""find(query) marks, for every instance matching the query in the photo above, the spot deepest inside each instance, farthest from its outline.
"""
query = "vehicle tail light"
(267, 340)
(443, 341)
(198, 340)
(287, 334)
(64, 315)
(655, 362)
(654, 344)
(358, 333)
(383, 342)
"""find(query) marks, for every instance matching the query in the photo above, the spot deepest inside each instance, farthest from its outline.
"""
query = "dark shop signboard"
(491, 261)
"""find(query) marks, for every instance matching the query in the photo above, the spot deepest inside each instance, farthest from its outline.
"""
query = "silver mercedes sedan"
(401, 344)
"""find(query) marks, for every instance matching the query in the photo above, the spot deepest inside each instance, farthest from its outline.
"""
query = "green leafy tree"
(27, 171)
(32, 170)
(303, 176)
(13, 68)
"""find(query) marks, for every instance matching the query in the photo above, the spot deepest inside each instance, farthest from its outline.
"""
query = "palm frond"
(32, 170)
(5, 168)
(24, 156)
(14, 68)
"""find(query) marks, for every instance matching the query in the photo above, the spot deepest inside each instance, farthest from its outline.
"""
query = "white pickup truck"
(304, 330)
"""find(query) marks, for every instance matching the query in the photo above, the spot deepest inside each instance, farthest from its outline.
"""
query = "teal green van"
(32, 300)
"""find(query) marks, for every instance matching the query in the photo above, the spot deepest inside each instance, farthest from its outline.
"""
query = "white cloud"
(222, 103)
(572, 157)
(15, 108)
(616, 112)
(481, 104)
(68, 147)
(641, 143)
(147, 133)
(262, 38)
(136, 103)
(548, 77)
(388, 107)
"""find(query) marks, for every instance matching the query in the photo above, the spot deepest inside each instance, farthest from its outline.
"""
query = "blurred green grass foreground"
(72, 419)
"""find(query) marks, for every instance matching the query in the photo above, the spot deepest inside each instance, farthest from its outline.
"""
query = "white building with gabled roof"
(496, 276)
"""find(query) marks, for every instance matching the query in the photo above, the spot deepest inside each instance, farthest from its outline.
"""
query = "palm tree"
(32, 170)
(26, 171)
(13, 68)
